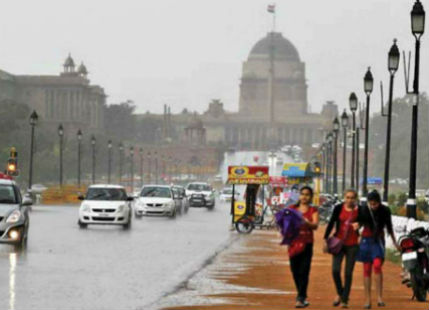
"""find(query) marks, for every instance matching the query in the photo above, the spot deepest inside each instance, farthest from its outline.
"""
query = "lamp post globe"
(344, 119)
(60, 130)
(418, 19)
(394, 57)
(34, 117)
(368, 82)
(353, 102)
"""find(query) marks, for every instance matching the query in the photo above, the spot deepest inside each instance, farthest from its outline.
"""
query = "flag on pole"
(271, 8)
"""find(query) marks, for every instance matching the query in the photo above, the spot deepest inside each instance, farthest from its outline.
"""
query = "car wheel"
(82, 225)
(173, 214)
(128, 224)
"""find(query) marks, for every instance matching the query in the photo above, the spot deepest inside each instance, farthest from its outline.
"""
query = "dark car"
(14, 219)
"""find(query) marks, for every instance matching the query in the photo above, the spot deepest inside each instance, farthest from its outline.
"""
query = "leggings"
(377, 262)
(300, 266)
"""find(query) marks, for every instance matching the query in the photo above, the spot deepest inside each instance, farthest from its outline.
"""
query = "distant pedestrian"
(374, 218)
(347, 239)
(301, 248)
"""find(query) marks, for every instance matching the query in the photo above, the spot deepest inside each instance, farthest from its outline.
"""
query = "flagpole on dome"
(272, 9)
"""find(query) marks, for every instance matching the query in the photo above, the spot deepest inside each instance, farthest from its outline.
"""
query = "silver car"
(14, 219)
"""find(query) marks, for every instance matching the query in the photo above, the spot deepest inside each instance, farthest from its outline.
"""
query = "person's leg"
(336, 274)
(295, 266)
(305, 270)
(351, 252)
(378, 263)
(367, 282)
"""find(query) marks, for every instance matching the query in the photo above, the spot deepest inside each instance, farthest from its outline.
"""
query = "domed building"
(273, 109)
(273, 82)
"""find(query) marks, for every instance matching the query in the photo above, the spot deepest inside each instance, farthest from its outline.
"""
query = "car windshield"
(199, 187)
(7, 194)
(154, 191)
(114, 194)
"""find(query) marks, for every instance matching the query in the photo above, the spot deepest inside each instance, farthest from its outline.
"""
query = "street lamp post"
(121, 157)
(61, 135)
(141, 166)
(109, 160)
(93, 140)
(132, 168)
(335, 131)
(393, 64)
(345, 125)
(149, 167)
(33, 122)
(329, 161)
(418, 27)
(156, 166)
(353, 102)
(368, 86)
(325, 166)
(79, 141)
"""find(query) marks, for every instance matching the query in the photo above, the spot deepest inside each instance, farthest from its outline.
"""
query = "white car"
(200, 195)
(226, 194)
(155, 200)
(105, 204)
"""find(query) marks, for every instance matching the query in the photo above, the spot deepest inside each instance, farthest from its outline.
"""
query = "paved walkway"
(255, 275)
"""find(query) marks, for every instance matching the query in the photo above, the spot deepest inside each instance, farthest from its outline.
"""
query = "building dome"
(82, 69)
(69, 62)
(283, 48)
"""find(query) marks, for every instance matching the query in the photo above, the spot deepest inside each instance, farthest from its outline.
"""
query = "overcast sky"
(186, 52)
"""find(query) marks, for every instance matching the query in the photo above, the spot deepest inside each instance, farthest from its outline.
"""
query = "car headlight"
(14, 217)
(121, 209)
(170, 204)
(86, 208)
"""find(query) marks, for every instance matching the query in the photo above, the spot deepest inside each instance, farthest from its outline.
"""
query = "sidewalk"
(254, 274)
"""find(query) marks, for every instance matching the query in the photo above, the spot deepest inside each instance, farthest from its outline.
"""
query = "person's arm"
(331, 223)
(315, 221)
(390, 230)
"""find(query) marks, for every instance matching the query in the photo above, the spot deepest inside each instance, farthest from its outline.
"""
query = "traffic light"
(317, 169)
(12, 163)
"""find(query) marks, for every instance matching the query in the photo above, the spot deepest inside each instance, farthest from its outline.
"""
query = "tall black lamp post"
(109, 160)
(418, 28)
(132, 168)
(368, 86)
(329, 162)
(93, 141)
(155, 155)
(79, 142)
(353, 102)
(121, 157)
(141, 166)
(149, 167)
(61, 135)
(33, 122)
(393, 64)
(345, 125)
(335, 136)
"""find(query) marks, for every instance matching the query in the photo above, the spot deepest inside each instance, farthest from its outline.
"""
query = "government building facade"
(273, 106)
(67, 98)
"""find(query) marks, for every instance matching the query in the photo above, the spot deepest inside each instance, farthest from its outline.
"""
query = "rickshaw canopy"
(248, 175)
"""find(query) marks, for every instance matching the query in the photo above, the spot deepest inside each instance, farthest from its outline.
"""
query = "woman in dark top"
(374, 218)
(343, 216)
(301, 262)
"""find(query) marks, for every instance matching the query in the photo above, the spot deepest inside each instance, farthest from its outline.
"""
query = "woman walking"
(301, 248)
(343, 216)
(374, 218)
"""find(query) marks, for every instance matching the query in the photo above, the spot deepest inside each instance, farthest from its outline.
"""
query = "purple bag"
(334, 245)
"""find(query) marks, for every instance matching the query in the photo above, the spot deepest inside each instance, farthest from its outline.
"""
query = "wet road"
(105, 267)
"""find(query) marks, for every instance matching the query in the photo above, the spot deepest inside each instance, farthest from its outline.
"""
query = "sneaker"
(344, 305)
(299, 304)
(306, 303)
